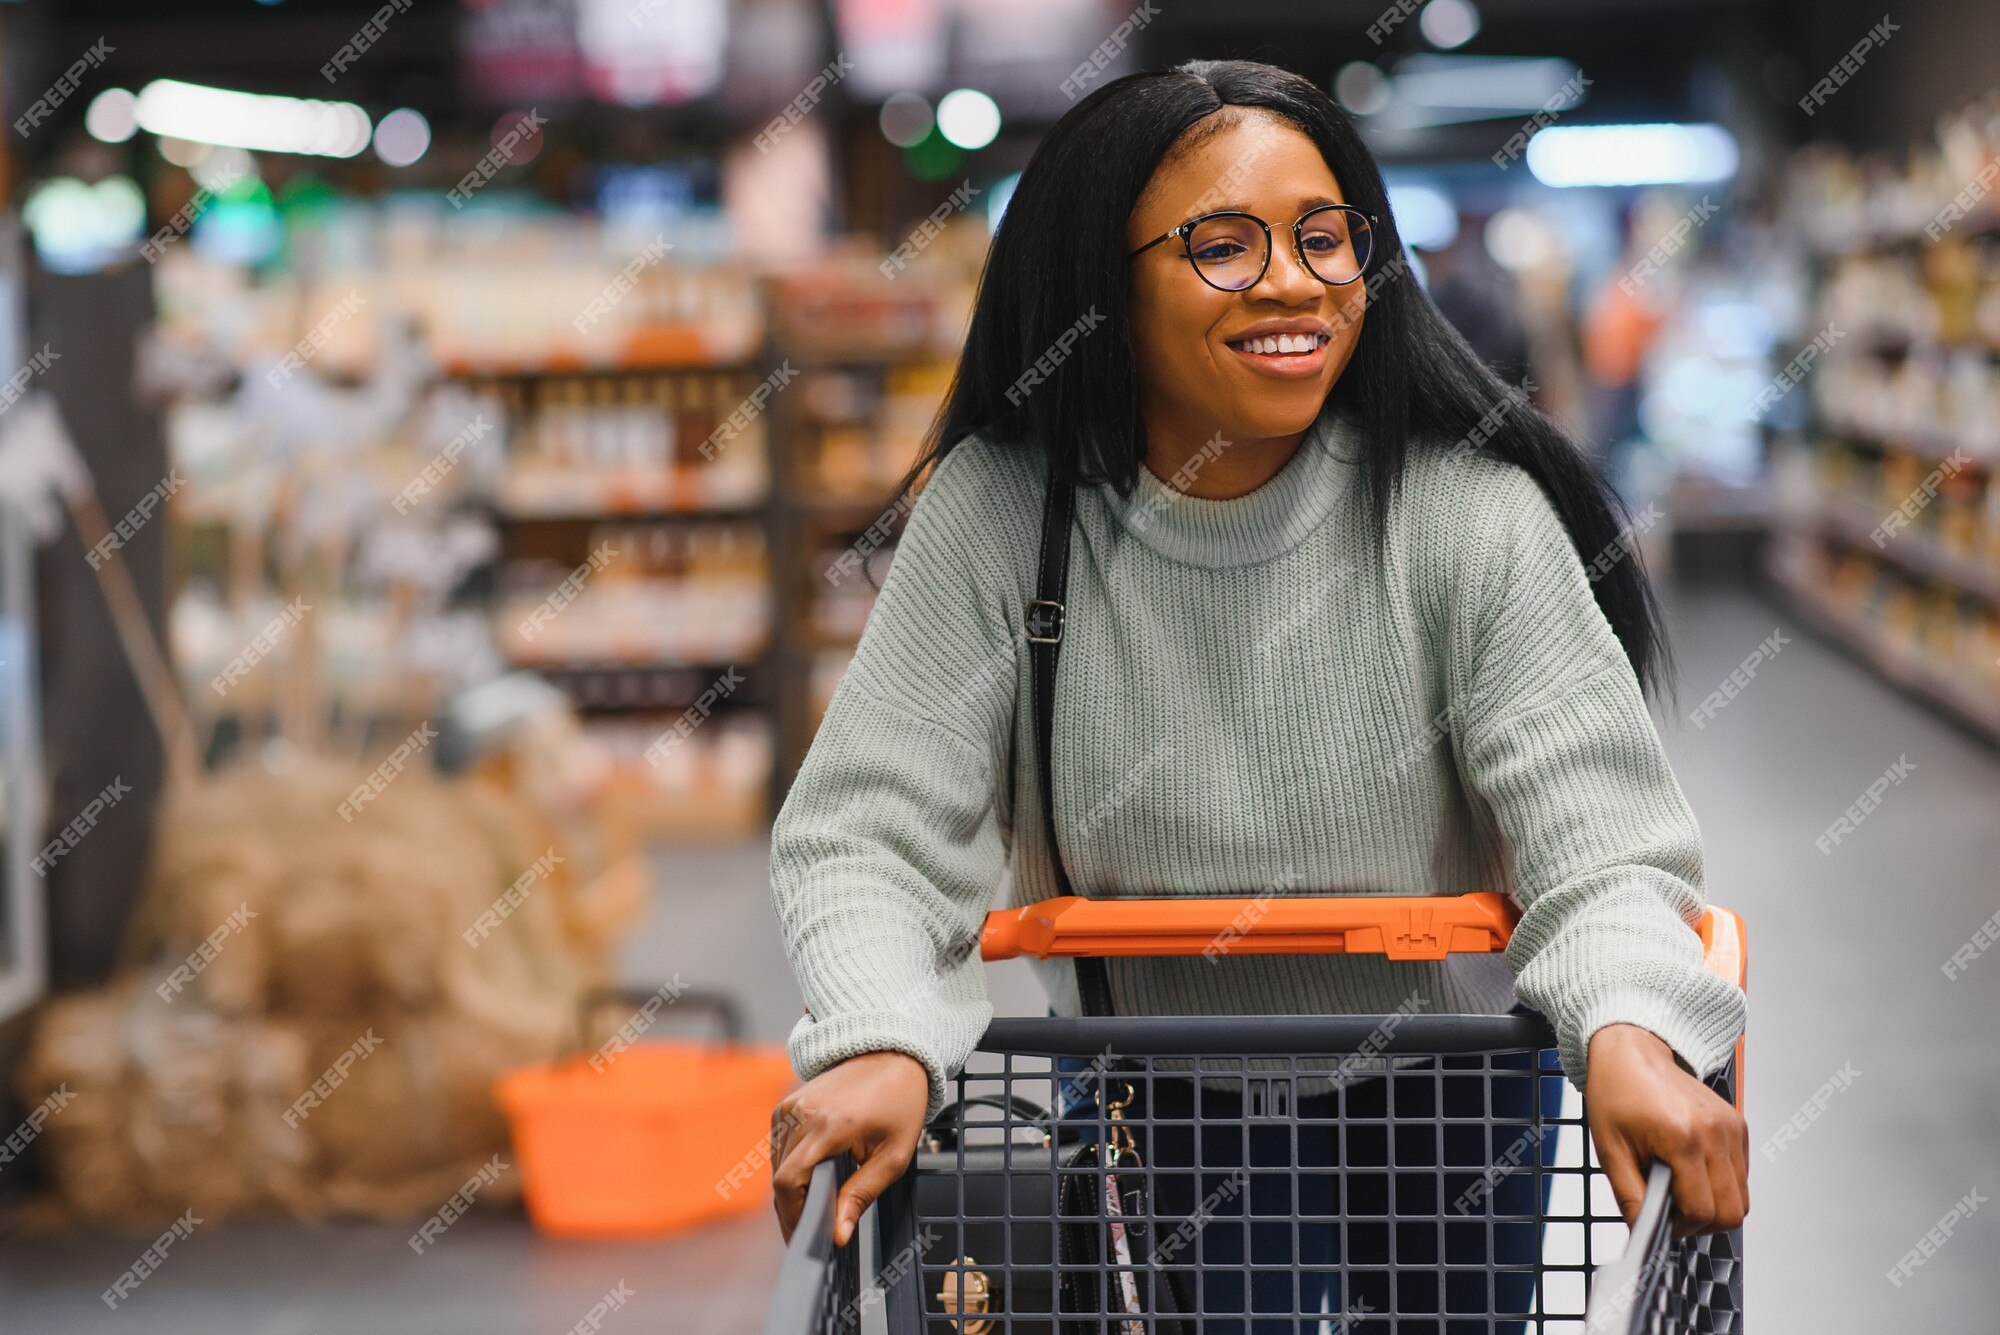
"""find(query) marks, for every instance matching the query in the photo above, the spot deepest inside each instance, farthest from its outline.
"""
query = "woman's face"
(1191, 340)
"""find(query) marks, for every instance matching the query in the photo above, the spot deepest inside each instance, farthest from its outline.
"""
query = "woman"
(1328, 628)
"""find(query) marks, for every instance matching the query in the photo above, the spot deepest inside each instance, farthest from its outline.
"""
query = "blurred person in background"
(1621, 322)
(1481, 301)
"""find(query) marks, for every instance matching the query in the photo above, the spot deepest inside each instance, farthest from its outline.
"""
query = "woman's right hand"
(871, 1106)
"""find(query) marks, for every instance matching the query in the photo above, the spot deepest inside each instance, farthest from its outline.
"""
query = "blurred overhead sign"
(519, 51)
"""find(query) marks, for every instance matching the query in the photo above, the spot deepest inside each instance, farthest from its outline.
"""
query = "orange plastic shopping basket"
(639, 1138)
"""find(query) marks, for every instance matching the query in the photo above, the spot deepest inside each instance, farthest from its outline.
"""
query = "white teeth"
(1271, 344)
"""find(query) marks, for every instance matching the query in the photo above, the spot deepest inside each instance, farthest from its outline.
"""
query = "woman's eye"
(1322, 243)
(1217, 251)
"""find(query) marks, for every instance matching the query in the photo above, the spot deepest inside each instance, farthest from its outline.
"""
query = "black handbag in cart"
(1101, 1213)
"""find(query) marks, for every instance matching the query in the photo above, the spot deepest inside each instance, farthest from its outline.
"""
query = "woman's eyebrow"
(1306, 203)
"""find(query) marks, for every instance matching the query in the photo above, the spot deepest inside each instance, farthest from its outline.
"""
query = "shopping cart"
(1339, 1174)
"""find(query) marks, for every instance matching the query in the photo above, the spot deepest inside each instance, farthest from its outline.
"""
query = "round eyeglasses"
(1232, 250)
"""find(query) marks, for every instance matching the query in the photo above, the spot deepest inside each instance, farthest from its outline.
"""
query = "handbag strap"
(1044, 627)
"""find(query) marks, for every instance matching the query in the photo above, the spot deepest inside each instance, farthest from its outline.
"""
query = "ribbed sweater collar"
(1254, 527)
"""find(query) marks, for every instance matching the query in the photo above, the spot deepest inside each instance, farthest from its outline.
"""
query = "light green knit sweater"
(1253, 697)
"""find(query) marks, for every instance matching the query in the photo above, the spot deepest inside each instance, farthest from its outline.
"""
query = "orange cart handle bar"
(1400, 927)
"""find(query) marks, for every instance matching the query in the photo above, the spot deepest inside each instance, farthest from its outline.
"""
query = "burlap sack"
(283, 936)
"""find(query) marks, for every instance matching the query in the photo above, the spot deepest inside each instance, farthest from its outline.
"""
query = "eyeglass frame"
(1186, 232)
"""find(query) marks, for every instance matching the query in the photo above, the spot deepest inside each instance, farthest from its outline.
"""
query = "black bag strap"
(1044, 627)
(1016, 1110)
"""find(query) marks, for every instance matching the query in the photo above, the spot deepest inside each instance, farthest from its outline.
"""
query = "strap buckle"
(1044, 621)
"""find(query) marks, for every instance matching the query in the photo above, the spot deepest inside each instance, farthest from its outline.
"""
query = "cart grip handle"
(1401, 927)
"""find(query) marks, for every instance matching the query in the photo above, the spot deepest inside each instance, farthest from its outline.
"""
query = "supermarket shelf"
(1926, 445)
(669, 514)
(1862, 241)
(607, 686)
(1897, 664)
(666, 349)
(634, 494)
(1915, 551)
(1896, 344)
(843, 515)
(863, 359)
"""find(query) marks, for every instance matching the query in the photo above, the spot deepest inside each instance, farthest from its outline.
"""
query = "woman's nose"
(1286, 278)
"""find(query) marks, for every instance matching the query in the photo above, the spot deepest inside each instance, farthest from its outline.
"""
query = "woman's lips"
(1283, 365)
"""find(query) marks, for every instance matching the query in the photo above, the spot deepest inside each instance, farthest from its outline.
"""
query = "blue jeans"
(1373, 1223)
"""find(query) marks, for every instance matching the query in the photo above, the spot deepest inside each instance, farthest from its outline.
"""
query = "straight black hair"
(1060, 253)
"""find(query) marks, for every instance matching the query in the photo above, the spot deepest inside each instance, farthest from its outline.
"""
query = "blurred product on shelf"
(844, 306)
(864, 426)
(827, 669)
(1890, 499)
(1842, 203)
(683, 593)
(500, 292)
(632, 446)
(845, 593)
(1921, 635)
(710, 787)
(1925, 396)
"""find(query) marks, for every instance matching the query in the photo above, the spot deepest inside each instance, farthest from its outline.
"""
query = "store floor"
(1847, 948)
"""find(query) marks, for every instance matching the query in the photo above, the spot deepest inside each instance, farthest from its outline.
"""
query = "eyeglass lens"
(1230, 252)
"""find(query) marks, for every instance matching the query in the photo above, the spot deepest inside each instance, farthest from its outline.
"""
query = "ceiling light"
(906, 119)
(402, 137)
(1448, 23)
(272, 124)
(111, 116)
(1361, 87)
(1668, 154)
(968, 118)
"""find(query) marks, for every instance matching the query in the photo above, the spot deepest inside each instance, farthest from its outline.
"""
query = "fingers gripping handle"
(1621, 1291)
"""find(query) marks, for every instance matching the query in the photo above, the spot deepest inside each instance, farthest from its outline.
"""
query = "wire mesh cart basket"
(1196, 1175)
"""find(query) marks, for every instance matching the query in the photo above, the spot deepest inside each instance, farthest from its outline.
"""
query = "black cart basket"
(1346, 1175)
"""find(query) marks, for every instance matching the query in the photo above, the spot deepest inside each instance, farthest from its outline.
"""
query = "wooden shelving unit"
(873, 361)
(553, 514)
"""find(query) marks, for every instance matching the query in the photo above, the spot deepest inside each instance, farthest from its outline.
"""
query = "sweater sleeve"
(888, 845)
(1602, 847)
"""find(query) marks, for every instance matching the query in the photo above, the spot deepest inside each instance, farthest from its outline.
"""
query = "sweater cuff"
(817, 1045)
(1704, 1037)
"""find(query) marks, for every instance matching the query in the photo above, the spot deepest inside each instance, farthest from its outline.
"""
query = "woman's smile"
(1287, 349)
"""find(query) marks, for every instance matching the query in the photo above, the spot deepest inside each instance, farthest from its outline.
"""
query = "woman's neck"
(1216, 468)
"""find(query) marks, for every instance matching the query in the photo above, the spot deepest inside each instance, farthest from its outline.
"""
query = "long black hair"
(1060, 252)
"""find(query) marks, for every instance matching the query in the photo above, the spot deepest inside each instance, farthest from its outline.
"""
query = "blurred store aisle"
(1848, 950)
(1847, 975)
(488, 1274)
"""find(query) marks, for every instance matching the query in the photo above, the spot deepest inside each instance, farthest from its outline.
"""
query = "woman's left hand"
(1644, 1107)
